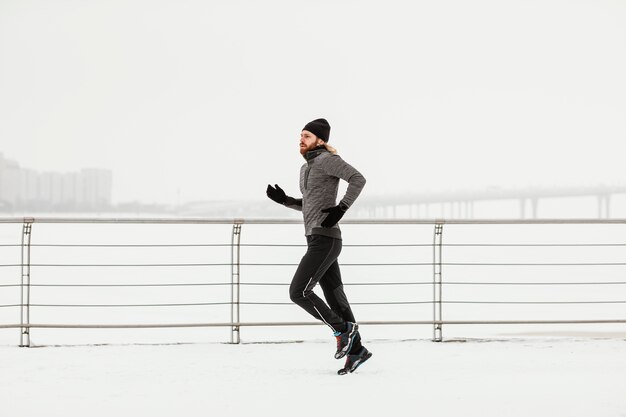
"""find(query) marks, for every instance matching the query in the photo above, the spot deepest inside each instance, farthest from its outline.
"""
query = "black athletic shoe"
(354, 361)
(345, 339)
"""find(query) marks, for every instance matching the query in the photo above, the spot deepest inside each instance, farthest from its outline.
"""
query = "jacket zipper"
(306, 176)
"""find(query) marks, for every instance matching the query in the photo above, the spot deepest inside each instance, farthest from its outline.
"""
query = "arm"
(294, 203)
(337, 167)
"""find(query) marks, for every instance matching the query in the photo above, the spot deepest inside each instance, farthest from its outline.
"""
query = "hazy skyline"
(193, 100)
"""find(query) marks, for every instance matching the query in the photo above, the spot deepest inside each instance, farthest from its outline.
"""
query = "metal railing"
(236, 301)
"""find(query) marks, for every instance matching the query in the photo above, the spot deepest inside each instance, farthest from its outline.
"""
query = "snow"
(471, 377)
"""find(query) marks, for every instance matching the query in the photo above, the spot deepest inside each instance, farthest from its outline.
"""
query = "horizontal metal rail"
(280, 303)
(536, 283)
(283, 284)
(294, 245)
(230, 221)
(222, 303)
(158, 265)
(307, 323)
(209, 284)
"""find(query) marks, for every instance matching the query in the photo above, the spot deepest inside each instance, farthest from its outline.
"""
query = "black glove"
(334, 215)
(277, 194)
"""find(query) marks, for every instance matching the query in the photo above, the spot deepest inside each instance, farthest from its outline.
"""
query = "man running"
(319, 183)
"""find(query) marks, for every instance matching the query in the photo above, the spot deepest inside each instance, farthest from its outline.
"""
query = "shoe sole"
(347, 348)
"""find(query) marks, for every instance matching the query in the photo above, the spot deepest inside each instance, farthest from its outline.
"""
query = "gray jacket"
(319, 183)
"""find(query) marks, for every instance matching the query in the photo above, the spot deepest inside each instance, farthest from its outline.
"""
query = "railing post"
(235, 287)
(437, 283)
(25, 286)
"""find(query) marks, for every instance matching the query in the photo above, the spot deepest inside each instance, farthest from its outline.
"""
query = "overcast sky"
(196, 100)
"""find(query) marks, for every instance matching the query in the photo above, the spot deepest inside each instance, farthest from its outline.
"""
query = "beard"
(305, 149)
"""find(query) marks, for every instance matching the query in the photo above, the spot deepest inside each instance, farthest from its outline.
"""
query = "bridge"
(449, 204)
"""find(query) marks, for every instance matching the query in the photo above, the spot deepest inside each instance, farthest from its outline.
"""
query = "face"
(308, 141)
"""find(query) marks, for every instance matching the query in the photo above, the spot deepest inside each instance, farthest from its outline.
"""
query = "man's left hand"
(334, 215)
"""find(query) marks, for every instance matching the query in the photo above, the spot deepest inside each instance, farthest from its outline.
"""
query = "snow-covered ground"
(512, 377)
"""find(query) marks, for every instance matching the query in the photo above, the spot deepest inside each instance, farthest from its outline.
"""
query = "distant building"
(9, 182)
(95, 187)
(22, 188)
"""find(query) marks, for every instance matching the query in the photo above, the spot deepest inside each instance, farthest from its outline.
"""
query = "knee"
(297, 294)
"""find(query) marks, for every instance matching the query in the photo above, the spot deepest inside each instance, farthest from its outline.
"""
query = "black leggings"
(319, 265)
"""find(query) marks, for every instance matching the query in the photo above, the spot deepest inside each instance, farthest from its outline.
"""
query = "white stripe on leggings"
(318, 312)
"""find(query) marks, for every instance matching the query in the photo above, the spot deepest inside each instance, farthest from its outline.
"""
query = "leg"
(321, 253)
(333, 292)
(336, 298)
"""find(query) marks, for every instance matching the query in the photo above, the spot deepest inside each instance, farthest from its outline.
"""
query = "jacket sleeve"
(337, 167)
(294, 203)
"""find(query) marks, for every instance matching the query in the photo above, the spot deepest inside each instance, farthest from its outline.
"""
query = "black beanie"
(320, 128)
